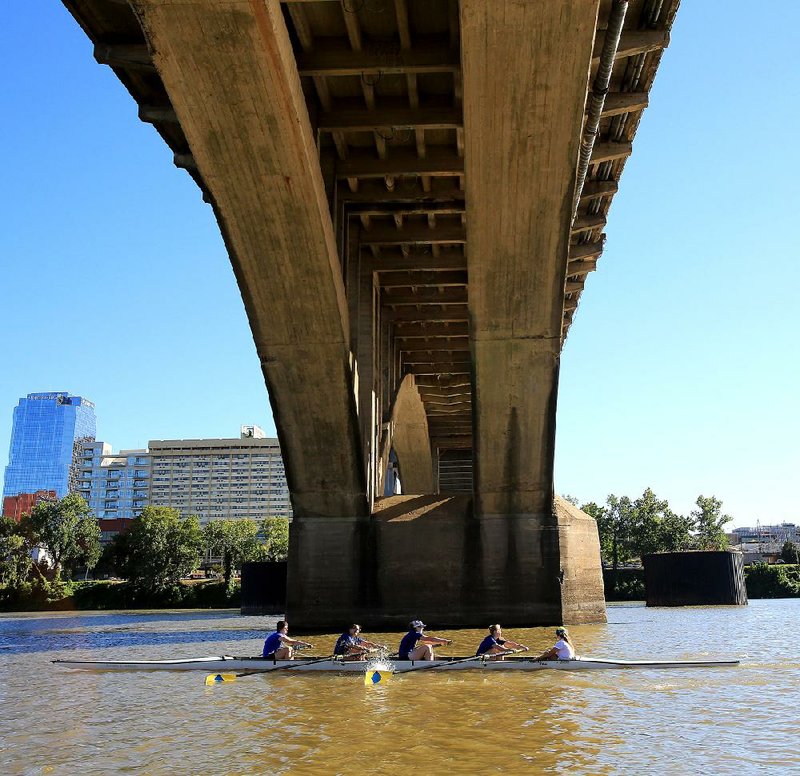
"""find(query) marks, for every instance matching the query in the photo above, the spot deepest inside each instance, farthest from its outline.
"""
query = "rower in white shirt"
(563, 649)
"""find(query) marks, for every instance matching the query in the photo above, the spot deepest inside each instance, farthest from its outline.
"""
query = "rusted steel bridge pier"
(413, 194)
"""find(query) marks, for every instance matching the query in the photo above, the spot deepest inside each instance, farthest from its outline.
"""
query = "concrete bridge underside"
(400, 191)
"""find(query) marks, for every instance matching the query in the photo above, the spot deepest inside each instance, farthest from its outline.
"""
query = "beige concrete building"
(114, 485)
(220, 479)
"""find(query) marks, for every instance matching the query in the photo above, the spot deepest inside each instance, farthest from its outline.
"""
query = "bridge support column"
(542, 569)
(431, 557)
(232, 79)
(329, 581)
(522, 135)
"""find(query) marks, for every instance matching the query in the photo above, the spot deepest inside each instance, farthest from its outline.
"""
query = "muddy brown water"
(732, 720)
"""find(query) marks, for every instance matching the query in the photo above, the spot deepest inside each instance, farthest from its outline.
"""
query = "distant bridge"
(412, 194)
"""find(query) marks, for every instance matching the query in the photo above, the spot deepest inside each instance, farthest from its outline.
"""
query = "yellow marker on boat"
(377, 677)
(219, 678)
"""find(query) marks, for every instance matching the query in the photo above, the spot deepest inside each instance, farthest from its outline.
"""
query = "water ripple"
(667, 722)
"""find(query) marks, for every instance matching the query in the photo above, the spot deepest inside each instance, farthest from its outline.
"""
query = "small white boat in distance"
(265, 665)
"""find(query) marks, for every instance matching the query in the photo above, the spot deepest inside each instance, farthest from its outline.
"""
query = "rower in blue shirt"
(279, 646)
(496, 646)
(415, 645)
(351, 646)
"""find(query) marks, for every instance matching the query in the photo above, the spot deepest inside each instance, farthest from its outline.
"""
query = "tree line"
(161, 547)
(630, 528)
(153, 555)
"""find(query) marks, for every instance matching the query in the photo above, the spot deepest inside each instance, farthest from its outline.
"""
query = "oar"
(219, 678)
(439, 665)
(483, 657)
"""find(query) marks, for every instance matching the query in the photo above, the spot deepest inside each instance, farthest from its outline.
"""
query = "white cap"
(417, 624)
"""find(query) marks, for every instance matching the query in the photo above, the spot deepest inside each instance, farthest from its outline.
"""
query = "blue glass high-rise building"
(46, 440)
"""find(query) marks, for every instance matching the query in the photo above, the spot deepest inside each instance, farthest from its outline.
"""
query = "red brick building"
(16, 506)
(110, 527)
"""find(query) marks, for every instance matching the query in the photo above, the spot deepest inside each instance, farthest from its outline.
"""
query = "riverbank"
(104, 595)
(762, 581)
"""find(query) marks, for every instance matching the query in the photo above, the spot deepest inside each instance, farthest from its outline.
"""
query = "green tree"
(646, 529)
(236, 541)
(709, 524)
(675, 532)
(656, 528)
(88, 539)
(108, 560)
(614, 525)
(789, 553)
(68, 532)
(275, 531)
(765, 581)
(15, 553)
(158, 549)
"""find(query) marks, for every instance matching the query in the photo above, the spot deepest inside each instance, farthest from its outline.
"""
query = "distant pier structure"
(695, 579)
(263, 587)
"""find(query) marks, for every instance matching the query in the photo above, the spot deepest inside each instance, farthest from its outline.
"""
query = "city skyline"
(678, 373)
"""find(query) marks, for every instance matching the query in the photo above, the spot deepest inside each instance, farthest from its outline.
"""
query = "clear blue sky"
(681, 369)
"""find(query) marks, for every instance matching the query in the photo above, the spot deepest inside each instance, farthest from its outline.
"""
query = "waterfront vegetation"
(149, 565)
(772, 581)
(631, 528)
(150, 562)
(117, 594)
(761, 580)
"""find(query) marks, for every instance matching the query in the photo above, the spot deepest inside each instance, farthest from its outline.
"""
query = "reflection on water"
(91, 631)
(667, 721)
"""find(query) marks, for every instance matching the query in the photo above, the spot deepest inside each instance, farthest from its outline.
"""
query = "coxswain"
(496, 646)
(279, 646)
(416, 645)
(563, 649)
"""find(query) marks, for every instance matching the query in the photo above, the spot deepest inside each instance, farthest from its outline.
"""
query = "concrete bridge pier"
(431, 557)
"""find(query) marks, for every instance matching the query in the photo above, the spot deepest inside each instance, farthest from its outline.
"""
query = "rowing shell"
(226, 663)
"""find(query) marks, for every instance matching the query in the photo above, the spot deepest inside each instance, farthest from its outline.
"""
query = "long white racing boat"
(244, 664)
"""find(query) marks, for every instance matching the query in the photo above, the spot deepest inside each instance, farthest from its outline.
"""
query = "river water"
(728, 720)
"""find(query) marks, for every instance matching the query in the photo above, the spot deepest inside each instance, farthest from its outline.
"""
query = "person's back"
(564, 650)
(272, 644)
(489, 643)
(345, 643)
(408, 643)
(416, 645)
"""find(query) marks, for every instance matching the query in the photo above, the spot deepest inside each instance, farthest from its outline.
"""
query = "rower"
(279, 646)
(351, 646)
(496, 646)
(563, 649)
(415, 645)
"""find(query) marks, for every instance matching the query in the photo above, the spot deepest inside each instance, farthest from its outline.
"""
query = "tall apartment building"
(221, 478)
(114, 485)
(47, 435)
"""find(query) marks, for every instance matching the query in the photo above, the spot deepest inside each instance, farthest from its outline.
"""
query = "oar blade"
(371, 678)
(220, 678)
